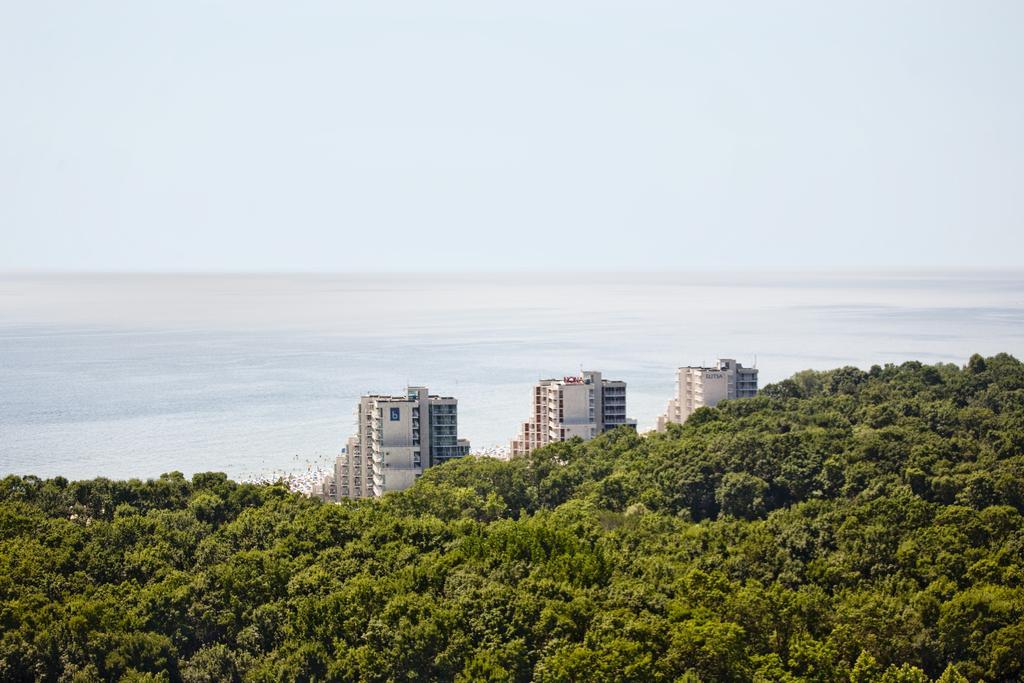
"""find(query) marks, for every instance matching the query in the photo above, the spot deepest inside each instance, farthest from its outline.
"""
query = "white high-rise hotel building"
(700, 386)
(398, 437)
(582, 406)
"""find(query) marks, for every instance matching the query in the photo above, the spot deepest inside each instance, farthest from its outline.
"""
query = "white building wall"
(697, 387)
(570, 407)
(392, 445)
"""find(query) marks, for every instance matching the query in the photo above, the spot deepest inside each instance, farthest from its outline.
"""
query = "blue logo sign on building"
(395, 414)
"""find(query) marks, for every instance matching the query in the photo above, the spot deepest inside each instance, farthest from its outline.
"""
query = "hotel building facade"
(397, 438)
(700, 386)
(583, 406)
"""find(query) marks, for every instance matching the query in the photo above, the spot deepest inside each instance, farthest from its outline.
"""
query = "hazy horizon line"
(839, 270)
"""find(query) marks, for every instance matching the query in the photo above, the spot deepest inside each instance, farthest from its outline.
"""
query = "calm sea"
(134, 375)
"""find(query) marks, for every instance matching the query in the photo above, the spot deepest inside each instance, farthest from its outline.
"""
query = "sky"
(446, 136)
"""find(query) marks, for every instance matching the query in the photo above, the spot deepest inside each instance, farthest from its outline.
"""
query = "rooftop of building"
(582, 378)
(409, 396)
(721, 365)
(387, 397)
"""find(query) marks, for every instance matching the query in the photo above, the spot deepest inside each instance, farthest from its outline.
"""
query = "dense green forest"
(843, 526)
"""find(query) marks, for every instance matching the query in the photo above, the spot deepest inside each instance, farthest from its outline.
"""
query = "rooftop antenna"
(755, 361)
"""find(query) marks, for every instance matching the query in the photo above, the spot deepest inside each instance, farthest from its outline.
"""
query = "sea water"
(132, 375)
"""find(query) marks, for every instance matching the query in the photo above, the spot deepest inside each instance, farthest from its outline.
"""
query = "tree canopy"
(842, 526)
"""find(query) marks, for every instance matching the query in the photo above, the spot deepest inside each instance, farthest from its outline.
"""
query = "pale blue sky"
(480, 135)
